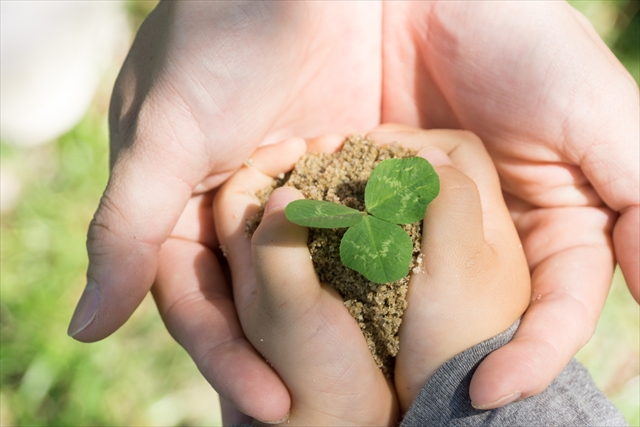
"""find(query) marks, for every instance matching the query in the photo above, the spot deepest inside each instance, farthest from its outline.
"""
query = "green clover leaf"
(321, 214)
(377, 249)
(398, 192)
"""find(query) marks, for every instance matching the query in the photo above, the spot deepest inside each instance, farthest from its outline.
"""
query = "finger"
(474, 290)
(465, 150)
(148, 190)
(197, 307)
(560, 319)
(196, 222)
(231, 416)
(455, 215)
(236, 203)
(325, 144)
(470, 158)
(307, 332)
(555, 326)
(286, 280)
(468, 154)
(626, 238)
(453, 241)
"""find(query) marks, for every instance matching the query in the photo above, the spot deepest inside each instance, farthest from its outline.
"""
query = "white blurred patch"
(193, 405)
(37, 381)
(6, 414)
(10, 189)
(52, 56)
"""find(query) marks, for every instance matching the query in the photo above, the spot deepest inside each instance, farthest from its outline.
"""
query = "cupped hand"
(559, 116)
(204, 84)
(301, 327)
(475, 281)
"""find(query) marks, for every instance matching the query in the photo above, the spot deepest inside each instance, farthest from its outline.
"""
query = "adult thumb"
(147, 191)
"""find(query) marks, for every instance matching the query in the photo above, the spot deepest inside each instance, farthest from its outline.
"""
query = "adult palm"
(559, 116)
(207, 82)
(204, 84)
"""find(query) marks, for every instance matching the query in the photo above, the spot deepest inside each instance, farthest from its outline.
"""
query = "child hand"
(299, 325)
(475, 282)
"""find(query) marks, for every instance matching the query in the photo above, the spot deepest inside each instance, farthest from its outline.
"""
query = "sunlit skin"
(300, 326)
(207, 82)
(474, 282)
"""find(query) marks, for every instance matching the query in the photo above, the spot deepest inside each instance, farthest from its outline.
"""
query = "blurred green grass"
(47, 378)
(139, 376)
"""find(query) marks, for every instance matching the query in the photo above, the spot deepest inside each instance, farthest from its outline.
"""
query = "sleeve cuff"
(571, 399)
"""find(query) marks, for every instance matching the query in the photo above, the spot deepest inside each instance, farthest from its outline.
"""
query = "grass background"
(139, 375)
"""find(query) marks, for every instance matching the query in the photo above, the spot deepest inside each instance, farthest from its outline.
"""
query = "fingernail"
(435, 156)
(281, 420)
(280, 198)
(500, 402)
(86, 309)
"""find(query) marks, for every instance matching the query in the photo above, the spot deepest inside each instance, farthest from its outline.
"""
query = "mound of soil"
(341, 177)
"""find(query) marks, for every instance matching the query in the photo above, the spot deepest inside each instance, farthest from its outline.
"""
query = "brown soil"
(341, 177)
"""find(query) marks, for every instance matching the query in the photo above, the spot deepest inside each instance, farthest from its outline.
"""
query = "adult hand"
(204, 84)
(559, 115)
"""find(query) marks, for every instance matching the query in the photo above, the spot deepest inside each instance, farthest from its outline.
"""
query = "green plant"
(398, 192)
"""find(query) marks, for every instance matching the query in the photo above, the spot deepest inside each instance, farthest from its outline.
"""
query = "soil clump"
(341, 177)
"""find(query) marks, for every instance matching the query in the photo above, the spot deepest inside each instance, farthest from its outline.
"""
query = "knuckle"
(476, 261)
(108, 213)
(468, 137)
(109, 227)
(261, 236)
(457, 184)
(100, 238)
(472, 137)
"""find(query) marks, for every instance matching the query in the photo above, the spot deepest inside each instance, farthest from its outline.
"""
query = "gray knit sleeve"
(572, 399)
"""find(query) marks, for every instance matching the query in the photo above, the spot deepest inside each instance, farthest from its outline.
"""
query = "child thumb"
(286, 279)
(454, 220)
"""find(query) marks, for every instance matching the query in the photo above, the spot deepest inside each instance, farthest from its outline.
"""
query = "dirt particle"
(225, 251)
